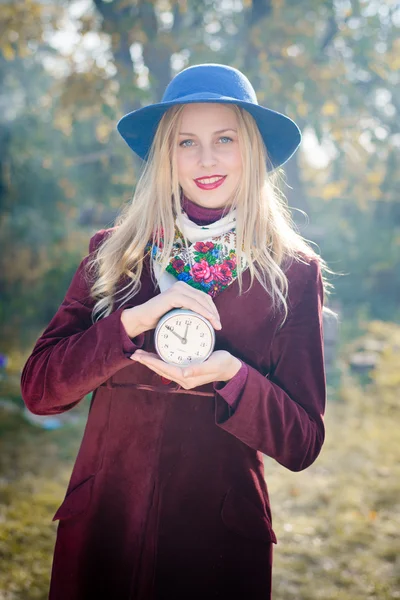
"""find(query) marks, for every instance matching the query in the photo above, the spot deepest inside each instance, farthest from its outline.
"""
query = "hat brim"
(280, 134)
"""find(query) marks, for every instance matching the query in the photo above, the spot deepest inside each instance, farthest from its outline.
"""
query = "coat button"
(165, 381)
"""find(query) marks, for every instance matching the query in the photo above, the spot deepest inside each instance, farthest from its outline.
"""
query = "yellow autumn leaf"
(329, 109)
(8, 51)
(103, 131)
(374, 193)
(67, 187)
(63, 122)
(379, 70)
(374, 177)
(395, 63)
(302, 109)
(332, 190)
(24, 51)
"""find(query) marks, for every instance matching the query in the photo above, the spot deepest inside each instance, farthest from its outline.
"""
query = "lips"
(210, 183)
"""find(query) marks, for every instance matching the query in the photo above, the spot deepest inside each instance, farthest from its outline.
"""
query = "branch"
(330, 34)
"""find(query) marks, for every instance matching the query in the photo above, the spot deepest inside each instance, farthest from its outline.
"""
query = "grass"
(35, 466)
(337, 523)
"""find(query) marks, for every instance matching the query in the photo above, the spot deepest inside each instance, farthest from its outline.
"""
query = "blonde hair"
(265, 231)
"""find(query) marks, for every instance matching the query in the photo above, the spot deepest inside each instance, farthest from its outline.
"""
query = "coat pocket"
(243, 517)
(76, 501)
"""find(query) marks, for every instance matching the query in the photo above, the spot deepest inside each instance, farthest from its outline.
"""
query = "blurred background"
(68, 72)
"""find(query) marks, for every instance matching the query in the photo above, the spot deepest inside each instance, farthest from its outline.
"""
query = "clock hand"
(174, 332)
(184, 341)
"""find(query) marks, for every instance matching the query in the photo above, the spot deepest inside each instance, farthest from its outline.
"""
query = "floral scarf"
(208, 263)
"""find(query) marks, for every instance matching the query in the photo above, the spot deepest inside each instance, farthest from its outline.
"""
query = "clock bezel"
(183, 312)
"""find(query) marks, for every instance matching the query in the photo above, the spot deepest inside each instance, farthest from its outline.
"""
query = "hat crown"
(212, 83)
(209, 79)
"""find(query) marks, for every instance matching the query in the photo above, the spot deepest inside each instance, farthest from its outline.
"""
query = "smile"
(210, 183)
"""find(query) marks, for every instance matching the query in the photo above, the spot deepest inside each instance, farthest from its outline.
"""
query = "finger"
(152, 359)
(194, 381)
(199, 371)
(142, 354)
(200, 306)
(204, 297)
(159, 366)
(198, 296)
(208, 370)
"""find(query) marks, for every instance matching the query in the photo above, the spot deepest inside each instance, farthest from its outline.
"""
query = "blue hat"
(212, 83)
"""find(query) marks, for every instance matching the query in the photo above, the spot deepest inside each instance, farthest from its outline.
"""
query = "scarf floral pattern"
(209, 265)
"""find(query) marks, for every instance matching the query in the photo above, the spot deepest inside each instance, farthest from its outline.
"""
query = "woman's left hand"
(220, 366)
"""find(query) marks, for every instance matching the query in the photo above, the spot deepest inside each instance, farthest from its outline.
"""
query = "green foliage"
(65, 172)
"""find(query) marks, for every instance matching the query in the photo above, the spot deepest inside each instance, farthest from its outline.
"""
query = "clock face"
(184, 338)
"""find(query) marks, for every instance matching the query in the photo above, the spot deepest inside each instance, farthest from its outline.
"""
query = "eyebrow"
(219, 131)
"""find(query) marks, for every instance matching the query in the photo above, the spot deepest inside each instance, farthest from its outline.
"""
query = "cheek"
(179, 166)
(183, 166)
(235, 160)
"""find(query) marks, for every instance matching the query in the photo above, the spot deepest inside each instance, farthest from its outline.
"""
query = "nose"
(207, 157)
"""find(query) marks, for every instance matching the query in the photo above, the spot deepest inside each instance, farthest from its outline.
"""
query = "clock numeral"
(197, 353)
(189, 358)
(197, 327)
(178, 322)
(179, 357)
(202, 335)
(165, 335)
(202, 345)
(188, 322)
(166, 346)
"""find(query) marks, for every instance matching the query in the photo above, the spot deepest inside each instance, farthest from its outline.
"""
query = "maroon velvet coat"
(167, 498)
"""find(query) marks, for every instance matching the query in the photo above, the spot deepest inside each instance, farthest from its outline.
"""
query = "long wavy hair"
(266, 234)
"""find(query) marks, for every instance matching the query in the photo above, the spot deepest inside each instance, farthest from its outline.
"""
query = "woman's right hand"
(180, 295)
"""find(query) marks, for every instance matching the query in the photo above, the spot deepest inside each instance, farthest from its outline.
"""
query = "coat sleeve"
(281, 414)
(232, 390)
(73, 356)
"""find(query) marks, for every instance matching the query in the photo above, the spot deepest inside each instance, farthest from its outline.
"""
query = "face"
(208, 155)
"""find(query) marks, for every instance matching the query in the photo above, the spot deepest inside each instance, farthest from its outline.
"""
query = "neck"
(202, 215)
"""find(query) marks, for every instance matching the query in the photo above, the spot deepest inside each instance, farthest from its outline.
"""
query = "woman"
(167, 498)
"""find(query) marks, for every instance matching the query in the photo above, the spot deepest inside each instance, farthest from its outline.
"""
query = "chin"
(206, 200)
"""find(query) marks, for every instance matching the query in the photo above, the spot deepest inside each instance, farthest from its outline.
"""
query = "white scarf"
(199, 233)
(195, 233)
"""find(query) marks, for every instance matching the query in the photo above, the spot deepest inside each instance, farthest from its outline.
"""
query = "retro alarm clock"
(184, 337)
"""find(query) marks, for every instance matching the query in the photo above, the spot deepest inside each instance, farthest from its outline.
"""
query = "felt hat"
(212, 83)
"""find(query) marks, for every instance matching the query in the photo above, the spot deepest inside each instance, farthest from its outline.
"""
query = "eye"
(184, 143)
(225, 137)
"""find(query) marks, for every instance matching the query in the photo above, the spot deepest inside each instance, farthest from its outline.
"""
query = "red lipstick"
(210, 186)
